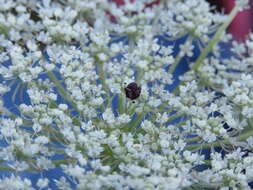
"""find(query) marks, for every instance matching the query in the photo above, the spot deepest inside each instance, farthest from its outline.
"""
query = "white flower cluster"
(88, 81)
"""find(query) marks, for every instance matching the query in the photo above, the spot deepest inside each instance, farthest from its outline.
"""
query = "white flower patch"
(154, 102)
(42, 182)
(108, 116)
(97, 101)
(114, 87)
(15, 182)
(75, 171)
(124, 118)
(134, 170)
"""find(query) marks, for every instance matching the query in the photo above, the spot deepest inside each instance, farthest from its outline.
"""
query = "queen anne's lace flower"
(71, 70)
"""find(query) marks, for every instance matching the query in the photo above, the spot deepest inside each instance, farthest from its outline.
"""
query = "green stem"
(4, 30)
(101, 75)
(215, 39)
(188, 188)
(245, 135)
(177, 60)
(133, 125)
(174, 116)
(121, 103)
(211, 44)
(5, 168)
(60, 89)
(131, 108)
(58, 163)
(241, 137)
(174, 65)
(202, 186)
(193, 139)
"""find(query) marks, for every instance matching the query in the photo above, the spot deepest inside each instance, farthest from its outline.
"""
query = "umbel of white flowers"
(70, 71)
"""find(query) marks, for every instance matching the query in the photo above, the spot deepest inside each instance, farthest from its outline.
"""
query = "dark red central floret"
(132, 91)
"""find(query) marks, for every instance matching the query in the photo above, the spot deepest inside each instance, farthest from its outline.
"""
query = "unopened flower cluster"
(64, 68)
